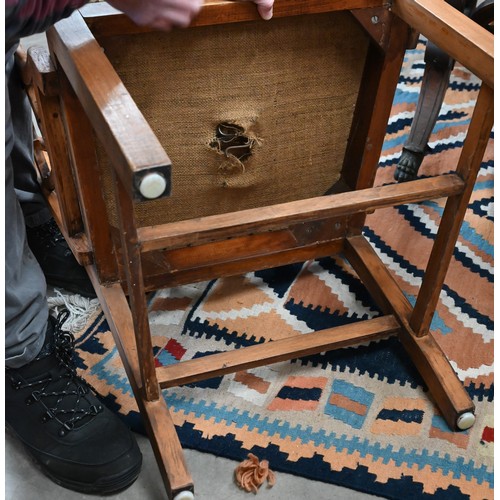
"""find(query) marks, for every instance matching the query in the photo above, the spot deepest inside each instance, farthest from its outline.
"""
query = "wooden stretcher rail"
(105, 21)
(272, 352)
(217, 227)
(241, 264)
(453, 32)
(377, 279)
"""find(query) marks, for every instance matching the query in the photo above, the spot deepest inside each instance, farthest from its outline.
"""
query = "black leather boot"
(72, 436)
(58, 263)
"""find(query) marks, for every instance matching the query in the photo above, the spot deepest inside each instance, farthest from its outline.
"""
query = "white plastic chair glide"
(184, 495)
(466, 421)
(152, 186)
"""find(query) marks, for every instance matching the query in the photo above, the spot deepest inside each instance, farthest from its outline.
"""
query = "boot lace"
(65, 401)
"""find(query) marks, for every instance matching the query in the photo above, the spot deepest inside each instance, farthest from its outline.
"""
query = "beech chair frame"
(77, 96)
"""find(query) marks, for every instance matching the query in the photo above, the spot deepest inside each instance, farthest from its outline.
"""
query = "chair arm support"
(137, 156)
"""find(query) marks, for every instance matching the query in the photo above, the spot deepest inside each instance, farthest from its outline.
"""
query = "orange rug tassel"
(251, 474)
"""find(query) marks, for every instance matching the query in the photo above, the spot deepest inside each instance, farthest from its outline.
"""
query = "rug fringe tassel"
(80, 309)
(252, 473)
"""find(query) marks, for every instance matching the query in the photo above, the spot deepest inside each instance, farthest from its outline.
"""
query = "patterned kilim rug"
(360, 417)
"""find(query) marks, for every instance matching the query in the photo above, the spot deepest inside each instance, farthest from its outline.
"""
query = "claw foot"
(408, 165)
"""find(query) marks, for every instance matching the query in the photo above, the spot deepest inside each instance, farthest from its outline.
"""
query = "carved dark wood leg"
(483, 14)
(438, 66)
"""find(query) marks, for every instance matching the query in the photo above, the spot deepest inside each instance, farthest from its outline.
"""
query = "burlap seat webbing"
(290, 86)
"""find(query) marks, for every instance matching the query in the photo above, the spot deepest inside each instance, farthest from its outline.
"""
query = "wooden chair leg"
(451, 397)
(442, 251)
(129, 323)
(434, 85)
(432, 364)
(132, 265)
(158, 421)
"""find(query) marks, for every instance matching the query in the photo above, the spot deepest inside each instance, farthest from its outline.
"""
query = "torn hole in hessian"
(235, 144)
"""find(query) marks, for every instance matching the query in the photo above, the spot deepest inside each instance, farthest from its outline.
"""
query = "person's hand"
(265, 8)
(167, 14)
(160, 14)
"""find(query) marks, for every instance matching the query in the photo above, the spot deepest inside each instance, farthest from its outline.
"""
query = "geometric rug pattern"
(360, 417)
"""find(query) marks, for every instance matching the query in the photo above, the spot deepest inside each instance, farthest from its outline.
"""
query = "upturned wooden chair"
(273, 132)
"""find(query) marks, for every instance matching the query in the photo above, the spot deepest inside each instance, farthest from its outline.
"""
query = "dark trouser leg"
(26, 310)
(26, 185)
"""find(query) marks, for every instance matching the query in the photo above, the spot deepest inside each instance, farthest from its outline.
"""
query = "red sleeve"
(26, 17)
